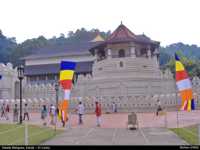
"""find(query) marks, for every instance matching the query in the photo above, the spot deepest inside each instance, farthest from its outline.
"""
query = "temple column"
(95, 56)
(149, 53)
(109, 53)
(133, 52)
(155, 57)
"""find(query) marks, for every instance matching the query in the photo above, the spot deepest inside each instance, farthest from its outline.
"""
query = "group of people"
(5, 109)
(80, 111)
(52, 114)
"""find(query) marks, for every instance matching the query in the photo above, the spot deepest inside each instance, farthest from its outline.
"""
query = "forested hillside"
(10, 51)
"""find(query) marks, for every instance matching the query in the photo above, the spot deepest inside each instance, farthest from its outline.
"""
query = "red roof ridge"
(121, 32)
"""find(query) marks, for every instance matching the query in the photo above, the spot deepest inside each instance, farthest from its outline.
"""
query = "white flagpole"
(177, 109)
(69, 121)
(67, 97)
(176, 96)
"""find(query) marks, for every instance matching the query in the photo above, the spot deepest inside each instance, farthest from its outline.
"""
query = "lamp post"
(20, 71)
(56, 89)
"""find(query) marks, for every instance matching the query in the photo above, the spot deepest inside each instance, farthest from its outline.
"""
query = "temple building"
(124, 68)
(43, 66)
(125, 64)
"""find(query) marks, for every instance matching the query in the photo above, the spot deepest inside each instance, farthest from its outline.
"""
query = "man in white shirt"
(80, 111)
(26, 112)
(52, 114)
(114, 107)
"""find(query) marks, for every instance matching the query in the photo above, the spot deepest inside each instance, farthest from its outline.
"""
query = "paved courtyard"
(110, 136)
(119, 120)
(152, 129)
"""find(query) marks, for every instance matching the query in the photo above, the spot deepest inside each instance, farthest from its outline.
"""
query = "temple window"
(121, 64)
(143, 52)
(50, 77)
(138, 53)
(121, 53)
(32, 78)
(101, 55)
(42, 78)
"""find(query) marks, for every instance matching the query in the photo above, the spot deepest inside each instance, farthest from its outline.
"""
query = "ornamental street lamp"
(20, 71)
(57, 110)
(56, 89)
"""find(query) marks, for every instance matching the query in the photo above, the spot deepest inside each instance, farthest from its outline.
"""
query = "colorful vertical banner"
(67, 70)
(184, 86)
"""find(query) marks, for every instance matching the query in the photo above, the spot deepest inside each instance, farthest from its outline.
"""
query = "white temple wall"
(136, 94)
(7, 82)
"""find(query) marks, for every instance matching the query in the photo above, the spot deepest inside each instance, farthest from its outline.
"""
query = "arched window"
(121, 53)
(143, 52)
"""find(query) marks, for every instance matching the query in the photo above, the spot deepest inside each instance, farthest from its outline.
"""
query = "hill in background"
(10, 51)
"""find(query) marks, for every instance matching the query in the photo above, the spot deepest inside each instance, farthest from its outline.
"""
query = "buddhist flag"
(66, 74)
(67, 69)
(184, 86)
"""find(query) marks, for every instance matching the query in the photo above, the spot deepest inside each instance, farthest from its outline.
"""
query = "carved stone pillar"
(109, 53)
(149, 53)
(95, 56)
(132, 49)
(155, 57)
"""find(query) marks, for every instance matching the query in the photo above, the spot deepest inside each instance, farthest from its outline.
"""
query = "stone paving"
(119, 120)
(117, 136)
(152, 129)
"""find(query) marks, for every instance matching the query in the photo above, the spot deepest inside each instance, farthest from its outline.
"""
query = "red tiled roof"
(121, 33)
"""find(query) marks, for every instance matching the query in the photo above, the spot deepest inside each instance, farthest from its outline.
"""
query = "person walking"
(3, 111)
(114, 107)
(52, 114)
(80, 110)
(15, 113)
(98, 114)
(26, 113)
(159, 107)
(7, 112)
(44, 114)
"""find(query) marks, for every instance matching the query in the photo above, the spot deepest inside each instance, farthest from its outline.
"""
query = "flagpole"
(177, 108)
(69, 122)
(176, 96)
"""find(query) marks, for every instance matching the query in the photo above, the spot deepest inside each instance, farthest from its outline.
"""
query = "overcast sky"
(167, 21)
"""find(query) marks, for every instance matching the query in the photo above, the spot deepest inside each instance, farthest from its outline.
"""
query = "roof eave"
(39, 57)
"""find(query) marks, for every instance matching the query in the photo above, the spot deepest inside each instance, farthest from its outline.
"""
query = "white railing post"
(26, 133)
(199, 133)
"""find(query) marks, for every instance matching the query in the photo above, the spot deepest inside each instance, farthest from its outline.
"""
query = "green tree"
(26, 48)
(191, 65)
